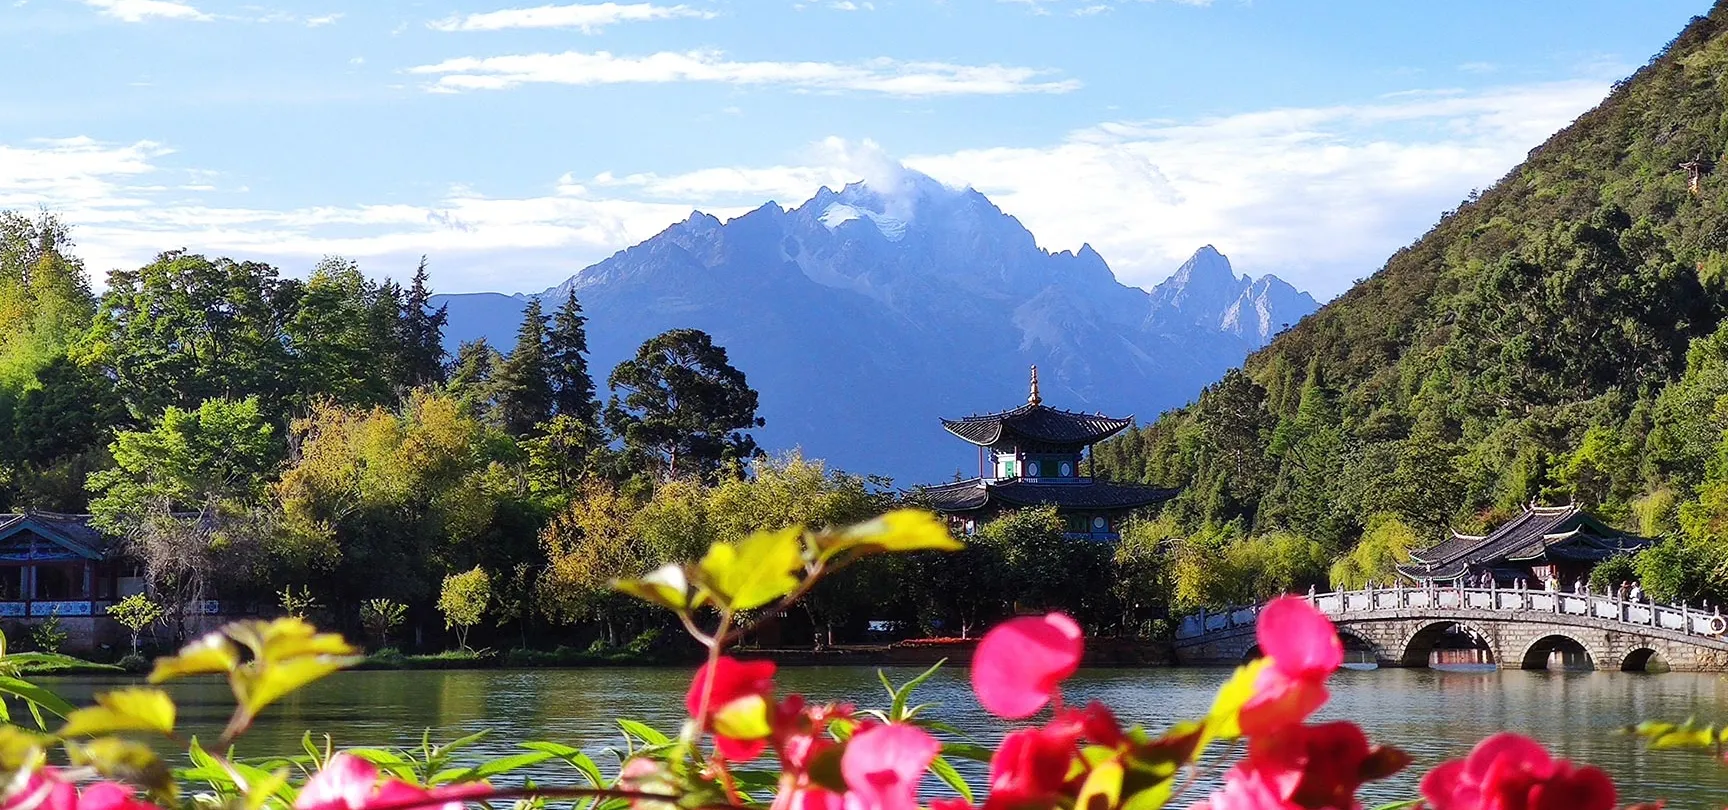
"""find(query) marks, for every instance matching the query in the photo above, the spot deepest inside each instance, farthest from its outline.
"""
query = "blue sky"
(516, 142)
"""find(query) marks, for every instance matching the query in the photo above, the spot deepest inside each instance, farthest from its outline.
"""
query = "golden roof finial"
(1033, 398)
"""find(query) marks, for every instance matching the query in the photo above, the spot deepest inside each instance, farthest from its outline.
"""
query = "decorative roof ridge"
(961, 484)
(1032, 406)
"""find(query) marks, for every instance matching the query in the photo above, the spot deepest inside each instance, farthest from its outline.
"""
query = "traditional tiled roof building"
(1031, 456)
(1543, 542)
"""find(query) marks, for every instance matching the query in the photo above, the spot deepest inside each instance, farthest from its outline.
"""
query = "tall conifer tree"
(566, 352)
(525, 380)
(422, 333)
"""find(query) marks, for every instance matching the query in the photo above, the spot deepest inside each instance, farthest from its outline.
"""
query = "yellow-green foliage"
(1387, 543)
(1218, 569)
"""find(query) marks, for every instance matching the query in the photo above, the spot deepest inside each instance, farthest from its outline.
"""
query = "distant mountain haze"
(864, 315)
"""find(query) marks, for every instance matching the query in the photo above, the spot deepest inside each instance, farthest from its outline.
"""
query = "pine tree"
(422, 333)
(524, 380)
(472, 380)
(566, 350)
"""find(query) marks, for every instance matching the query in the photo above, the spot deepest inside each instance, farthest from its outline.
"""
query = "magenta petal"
(107, 796)
(1020, 662)
(882, 766)
(1298, 638)
(1508, 747)
(345, 783)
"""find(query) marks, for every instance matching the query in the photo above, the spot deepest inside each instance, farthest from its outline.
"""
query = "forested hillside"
(1558, 337)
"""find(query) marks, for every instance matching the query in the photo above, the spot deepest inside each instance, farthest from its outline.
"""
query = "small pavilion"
(54, 564)
(1032, 456)
(1543, 542)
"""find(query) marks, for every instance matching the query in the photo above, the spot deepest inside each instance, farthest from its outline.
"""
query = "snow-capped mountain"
(865, 314)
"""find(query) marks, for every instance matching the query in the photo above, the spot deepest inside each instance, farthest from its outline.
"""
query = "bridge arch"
(1644, 659)
(1573, 652)
(1361, 645)
(1419, 647)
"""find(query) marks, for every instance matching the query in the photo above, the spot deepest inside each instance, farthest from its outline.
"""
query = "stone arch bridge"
(1405, 627)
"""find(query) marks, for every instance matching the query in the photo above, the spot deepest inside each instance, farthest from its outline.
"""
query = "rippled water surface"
(1433, 715)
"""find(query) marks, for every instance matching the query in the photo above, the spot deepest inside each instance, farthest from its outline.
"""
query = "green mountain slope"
(1558, 337)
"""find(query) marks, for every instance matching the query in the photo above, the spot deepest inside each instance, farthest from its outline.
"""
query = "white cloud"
(848, 5)
(889, 76)
(1318, 195)
(323, 20)
(589, 18)
(141, 10)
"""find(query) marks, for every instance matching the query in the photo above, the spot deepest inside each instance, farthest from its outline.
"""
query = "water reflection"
(1433, 714)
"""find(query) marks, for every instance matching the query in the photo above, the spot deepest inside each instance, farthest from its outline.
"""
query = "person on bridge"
(1578, 586)
(1552, 584)
(1625, 590)
(1637, 592)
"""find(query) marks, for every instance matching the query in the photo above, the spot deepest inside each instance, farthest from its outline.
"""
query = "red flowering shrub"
(1509, 772)
(826, 756)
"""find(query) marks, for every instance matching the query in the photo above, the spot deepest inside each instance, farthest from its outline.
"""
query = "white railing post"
(1685, 618)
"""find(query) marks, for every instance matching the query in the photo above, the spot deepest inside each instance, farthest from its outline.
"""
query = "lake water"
(1432, 714)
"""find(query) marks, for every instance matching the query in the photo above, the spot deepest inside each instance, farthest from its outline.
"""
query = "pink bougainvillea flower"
(1031, 768)
(883, 764)
(1020, 663)
(46, 789)
(800, 739)
(1510, 772)
(1247, 790)
(348, 782)
(1313, 767)
(1303, 650)
(111, 796)
(738, 706)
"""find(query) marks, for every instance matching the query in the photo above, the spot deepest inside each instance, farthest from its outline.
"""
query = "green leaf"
(20, 748)
(135, 709)
(496, 767)
(270, 785)
(126, 761)
(260, 687)
(1222, 719)
(945, 771)
(211, 654)
(667, 586)
(756, 571)
(1103, 786)
(641, 732)
(902, 530)
(898, 710)
(35, 695)
(583, 763)
(390, 761)
(975, 753)
(1407, 804)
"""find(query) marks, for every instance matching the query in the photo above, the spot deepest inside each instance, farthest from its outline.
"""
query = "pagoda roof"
(73, 532)
(974, 494)
(1538, 533)
(1039, 423)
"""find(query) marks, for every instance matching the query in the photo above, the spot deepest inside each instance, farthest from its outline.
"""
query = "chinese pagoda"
(1560, 543)
(1030, 456)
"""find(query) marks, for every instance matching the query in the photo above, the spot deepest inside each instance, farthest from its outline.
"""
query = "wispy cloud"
(888, 76)
(1319, 195)
(589, 18)
(141, 10)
